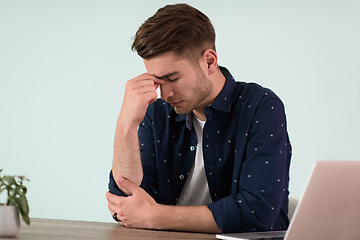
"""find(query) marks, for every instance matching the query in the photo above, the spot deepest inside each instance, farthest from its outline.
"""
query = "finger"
(147, 76)
(152, 101)
(113, 209)
(158, 81)
(154, 81)
(109, 196)
(148, 88)
(112, 213)
(113, 200)
(144, 86)
(126, 184)
(151, 97)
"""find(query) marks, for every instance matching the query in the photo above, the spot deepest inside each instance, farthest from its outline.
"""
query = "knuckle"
(129, 85)
(121, 213)
(120, 204)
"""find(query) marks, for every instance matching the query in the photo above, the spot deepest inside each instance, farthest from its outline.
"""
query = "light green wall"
(63, 66)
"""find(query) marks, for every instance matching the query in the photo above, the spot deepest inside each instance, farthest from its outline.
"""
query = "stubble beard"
(198, 94)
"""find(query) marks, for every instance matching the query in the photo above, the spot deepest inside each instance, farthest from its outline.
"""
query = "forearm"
(185, 218)
(140, 210)
(140, 92)
(127, 162)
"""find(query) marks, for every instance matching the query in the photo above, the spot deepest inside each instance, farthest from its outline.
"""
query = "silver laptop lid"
(330, 205)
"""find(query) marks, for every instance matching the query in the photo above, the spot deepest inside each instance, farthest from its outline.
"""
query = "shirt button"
(192, 148)
(181, 177)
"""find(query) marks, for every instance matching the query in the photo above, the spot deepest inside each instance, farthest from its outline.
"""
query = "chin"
(181, 111)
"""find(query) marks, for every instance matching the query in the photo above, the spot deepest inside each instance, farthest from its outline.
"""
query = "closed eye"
(170, 79)
(167, 76)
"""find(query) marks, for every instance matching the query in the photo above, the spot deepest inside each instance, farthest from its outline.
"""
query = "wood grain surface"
(51, 229)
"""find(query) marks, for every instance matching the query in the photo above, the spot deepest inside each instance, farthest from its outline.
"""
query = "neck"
(200, 114)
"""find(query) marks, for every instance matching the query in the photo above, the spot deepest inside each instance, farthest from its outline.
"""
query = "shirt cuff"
(113, 188)
(225, 215)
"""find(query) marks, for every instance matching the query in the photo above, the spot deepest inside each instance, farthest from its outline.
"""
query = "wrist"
(126, 125)
(157, 216)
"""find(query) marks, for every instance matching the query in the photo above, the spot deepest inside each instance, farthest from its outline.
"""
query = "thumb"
(126, 185)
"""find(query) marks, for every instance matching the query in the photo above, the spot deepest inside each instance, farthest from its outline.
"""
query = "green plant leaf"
(17, 200)
(12, 202)
(26, 219)
(23, 209)
(8, 181)
(23, 189)
(24, 204)
(16, 194)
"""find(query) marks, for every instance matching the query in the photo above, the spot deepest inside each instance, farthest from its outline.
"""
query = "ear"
(211, 60)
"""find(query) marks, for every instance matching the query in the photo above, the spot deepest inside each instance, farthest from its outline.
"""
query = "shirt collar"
(225, 98)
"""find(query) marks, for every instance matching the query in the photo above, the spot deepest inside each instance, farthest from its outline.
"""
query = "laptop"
(328, 209)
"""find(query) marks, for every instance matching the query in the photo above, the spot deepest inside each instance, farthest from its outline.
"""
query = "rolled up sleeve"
(259, 196)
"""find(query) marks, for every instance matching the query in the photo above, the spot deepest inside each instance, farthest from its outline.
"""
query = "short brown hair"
(179, 28)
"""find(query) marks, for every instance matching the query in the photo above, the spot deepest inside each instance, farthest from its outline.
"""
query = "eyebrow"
(166, 75)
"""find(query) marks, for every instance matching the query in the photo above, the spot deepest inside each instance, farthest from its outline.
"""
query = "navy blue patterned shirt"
(246, 153)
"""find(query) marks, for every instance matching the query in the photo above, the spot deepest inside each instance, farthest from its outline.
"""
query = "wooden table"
(51, 229)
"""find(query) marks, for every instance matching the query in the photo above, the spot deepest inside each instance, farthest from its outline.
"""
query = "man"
(213, 155)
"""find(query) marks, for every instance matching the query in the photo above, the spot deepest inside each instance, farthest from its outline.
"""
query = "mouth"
(175, 104)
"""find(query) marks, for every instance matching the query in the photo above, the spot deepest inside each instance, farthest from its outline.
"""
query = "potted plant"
(15, 202)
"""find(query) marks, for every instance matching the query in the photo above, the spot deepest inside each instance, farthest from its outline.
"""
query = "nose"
(166, 91)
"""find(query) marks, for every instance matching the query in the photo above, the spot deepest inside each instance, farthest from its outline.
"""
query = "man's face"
(186, 86)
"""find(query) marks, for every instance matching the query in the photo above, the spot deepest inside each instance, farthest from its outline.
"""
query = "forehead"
(166, 64)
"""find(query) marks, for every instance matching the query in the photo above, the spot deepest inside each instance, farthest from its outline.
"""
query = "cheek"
(185, 86)
(183, 89)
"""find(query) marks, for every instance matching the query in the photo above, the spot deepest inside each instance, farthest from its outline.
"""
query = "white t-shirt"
(196, 189)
